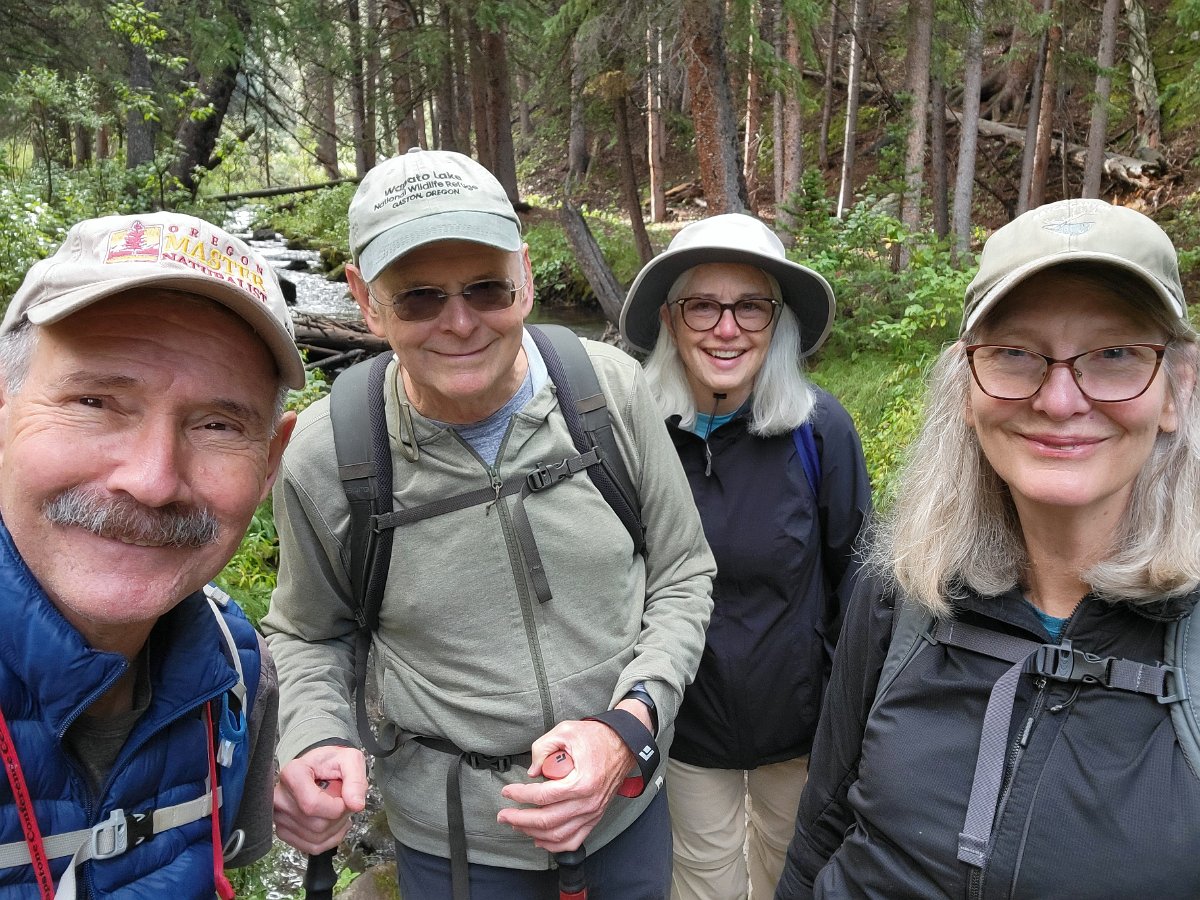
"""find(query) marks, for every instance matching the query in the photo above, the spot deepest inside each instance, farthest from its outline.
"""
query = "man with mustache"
(143, 369)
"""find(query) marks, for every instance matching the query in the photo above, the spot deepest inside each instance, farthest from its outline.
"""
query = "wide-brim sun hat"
(1074, 231)
(727, 238)
(111, 255)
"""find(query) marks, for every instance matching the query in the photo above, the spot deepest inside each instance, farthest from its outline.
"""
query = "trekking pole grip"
(320, 876)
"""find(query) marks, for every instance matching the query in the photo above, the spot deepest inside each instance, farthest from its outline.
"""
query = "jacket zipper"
(517, 565)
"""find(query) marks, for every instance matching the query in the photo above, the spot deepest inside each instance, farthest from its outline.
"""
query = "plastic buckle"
(545, 476)
(111, 837)
(1064, 663)
(483, 761)
(1173, 675)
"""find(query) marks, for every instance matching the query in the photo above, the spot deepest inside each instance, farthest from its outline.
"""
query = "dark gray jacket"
(1099, 804)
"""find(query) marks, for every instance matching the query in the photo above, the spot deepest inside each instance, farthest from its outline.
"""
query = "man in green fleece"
(485, 677)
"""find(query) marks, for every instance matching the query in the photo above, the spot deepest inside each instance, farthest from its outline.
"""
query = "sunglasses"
(420, 304)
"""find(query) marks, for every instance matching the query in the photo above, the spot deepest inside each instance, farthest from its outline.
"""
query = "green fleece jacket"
(464, 651)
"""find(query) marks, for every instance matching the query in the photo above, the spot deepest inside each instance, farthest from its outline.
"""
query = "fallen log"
(282, 191)
(339, 338)
(1128, 170)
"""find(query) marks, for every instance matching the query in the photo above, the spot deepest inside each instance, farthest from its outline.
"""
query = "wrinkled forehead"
(725, 277)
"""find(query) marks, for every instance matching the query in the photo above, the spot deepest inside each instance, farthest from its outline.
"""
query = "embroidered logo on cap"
(138, 243)
(1068, 228)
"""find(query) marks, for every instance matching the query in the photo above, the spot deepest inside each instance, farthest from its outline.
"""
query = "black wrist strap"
(641, 744)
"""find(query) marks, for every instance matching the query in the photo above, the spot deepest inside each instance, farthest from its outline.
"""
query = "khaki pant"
(731, 829)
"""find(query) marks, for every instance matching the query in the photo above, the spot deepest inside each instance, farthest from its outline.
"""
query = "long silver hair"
(953, 525)
(782, 399)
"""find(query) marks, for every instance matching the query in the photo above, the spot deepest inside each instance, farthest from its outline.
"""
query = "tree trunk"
(139, 131)
(629, 181)
(968, 138)
(591, 261)
(853, 80)
(702, 28)
(831, 55)
(1045, 126)
(656, 132)
(920, 41)
(323, 114)
(793, 116)
(1035, 113)
(371, 84)
(1143, 77)
(1098, 131)
(463, 103)
(443, 91)
(577, 153)
(399, 25)
(524, 111)
(358, 97)
(939, 187)
(754, 117)
(82, 138)
(484, 143)
(499, 94)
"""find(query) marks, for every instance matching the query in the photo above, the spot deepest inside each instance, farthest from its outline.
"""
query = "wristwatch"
(638, 692)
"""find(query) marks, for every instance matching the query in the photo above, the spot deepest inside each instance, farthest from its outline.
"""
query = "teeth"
(725, 354)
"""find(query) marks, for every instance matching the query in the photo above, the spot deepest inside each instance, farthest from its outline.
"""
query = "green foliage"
(250, 576)
(890, 325)
(318, 216)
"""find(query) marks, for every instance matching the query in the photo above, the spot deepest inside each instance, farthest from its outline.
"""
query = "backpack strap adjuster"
(545, 476)
(1174, 686)
(1064, 663)
(119, 832)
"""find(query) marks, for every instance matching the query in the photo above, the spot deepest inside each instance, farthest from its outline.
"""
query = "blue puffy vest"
(49, 676)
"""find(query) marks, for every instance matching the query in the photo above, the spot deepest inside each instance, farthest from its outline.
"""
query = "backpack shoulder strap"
(1182, 651)
(910, 630)
(364, 457)
(586, 413)
(806, 447)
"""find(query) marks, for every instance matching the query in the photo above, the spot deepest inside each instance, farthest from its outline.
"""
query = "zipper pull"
(497, 485)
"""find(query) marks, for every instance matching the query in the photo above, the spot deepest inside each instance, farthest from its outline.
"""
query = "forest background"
(881, 139)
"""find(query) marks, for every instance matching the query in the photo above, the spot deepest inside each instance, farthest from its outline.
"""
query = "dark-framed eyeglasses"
(750, 313)
(420, 304)
(1105, 375)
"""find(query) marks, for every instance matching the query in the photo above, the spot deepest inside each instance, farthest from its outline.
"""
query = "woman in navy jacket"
(777, 472)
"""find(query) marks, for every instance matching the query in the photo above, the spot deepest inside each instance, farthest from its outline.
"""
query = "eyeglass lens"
(423, 303)
(1108, 374)
(703, 314)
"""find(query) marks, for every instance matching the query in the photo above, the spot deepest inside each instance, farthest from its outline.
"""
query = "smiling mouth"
(725, 354)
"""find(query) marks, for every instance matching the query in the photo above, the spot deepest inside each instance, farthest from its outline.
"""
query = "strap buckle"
(1064, 663)
(483, 761)
(1174, 687)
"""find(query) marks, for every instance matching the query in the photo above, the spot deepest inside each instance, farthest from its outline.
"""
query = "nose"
(1059, 396)
(727, 326)
(457, 316)
(149, 464)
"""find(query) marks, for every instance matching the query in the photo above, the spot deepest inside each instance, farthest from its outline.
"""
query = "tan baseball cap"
(425, 196)
(111, 255)
(1071, 231)
(727, 238)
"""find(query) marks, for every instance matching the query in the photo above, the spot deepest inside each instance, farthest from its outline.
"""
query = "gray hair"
(953, 525)
(782, 399)
(16, 355)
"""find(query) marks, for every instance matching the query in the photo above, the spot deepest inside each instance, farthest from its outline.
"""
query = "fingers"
(315, 796)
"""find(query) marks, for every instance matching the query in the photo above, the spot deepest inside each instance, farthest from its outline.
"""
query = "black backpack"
(364, 456)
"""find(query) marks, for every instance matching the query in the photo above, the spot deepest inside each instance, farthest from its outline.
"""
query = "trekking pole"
(572, 884)
(320, 876)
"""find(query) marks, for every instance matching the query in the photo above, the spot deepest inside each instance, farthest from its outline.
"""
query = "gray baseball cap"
(727, 238)
(1072, 231)
(425, 196)
(110, 255)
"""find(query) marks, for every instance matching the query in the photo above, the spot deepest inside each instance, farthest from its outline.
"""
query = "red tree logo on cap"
(138, 243)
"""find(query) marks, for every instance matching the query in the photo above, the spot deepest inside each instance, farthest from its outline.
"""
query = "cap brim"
(279, 341)
(805, 292)
(1010, 281)
(464, 225)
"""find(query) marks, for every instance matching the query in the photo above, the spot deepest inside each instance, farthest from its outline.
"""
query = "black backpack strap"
(586, 413)
(364, 456)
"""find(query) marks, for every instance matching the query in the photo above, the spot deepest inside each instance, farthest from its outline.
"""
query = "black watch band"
(639, 693)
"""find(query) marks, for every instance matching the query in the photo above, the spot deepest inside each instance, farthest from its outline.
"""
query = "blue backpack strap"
(806, 447)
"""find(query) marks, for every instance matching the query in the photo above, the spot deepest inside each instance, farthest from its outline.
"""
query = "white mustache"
(127, 520)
